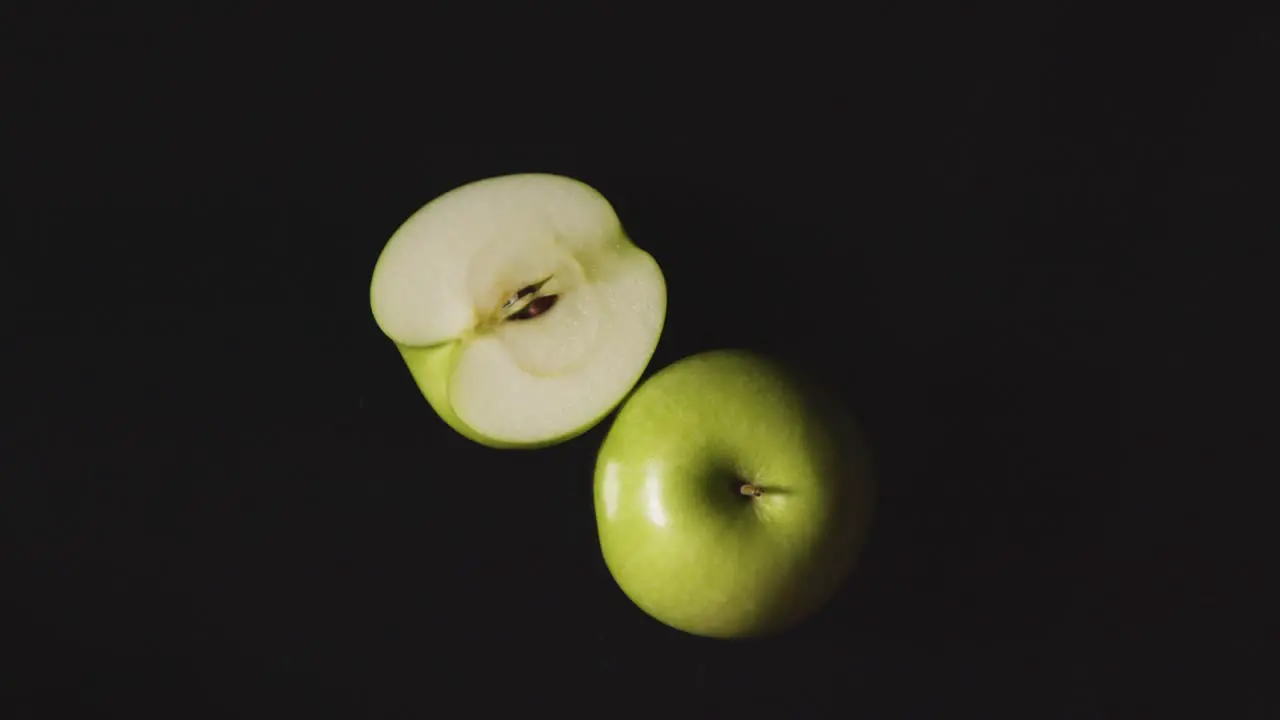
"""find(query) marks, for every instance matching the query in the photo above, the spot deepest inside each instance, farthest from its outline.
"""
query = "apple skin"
(680, 539)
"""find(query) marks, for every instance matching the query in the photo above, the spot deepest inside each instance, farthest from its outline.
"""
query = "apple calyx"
(750, 490)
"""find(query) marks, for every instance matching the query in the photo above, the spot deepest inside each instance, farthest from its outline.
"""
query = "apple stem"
(749, 489)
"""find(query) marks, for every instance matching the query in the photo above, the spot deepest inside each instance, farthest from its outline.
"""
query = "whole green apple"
(731, 498)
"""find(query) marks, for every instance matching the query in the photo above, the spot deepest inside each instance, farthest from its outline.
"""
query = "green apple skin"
(677, 533)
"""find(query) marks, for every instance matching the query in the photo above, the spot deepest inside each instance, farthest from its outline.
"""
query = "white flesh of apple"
(446, 274)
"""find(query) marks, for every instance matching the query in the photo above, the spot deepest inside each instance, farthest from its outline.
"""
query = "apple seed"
(524, 292)
(536, 307)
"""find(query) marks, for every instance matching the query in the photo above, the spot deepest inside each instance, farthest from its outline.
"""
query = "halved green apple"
(523, 310)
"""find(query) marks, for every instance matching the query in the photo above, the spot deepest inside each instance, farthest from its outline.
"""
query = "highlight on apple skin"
(522, 309)
(732, 499)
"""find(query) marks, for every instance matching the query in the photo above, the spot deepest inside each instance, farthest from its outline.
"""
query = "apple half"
(523, 310)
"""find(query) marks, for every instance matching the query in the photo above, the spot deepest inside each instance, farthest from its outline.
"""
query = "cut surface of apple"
(523, 310)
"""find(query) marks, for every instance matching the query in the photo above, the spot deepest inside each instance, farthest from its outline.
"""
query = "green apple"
(524, 312)
(731, 499)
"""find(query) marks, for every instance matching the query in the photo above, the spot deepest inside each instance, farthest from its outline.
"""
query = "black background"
(1029, 242)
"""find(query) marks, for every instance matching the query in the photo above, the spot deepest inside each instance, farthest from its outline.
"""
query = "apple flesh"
(522, 309)
(731, 499)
